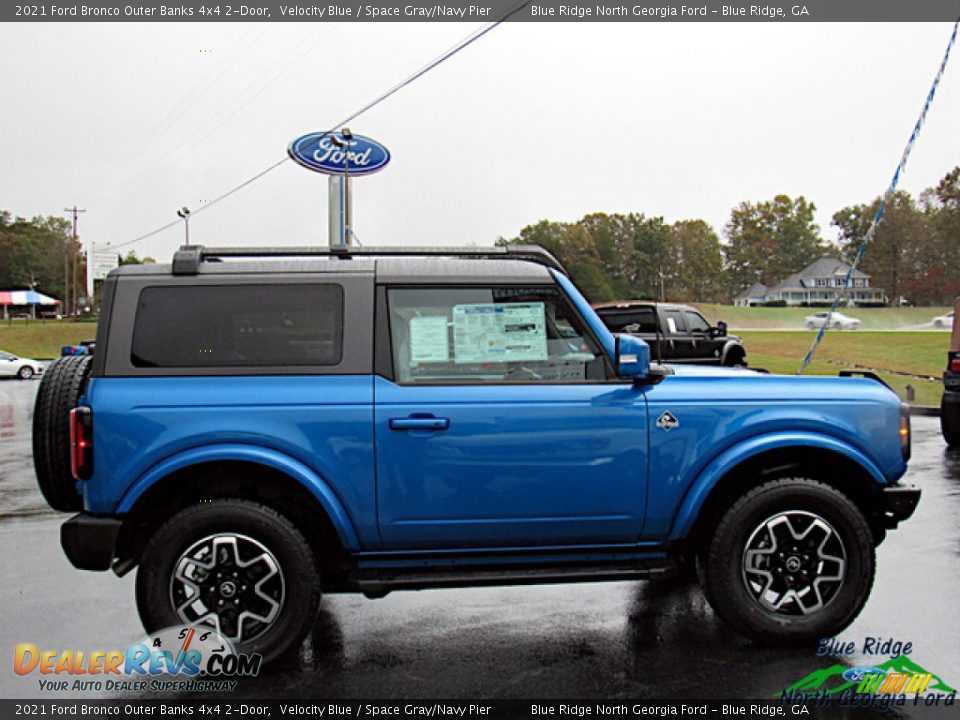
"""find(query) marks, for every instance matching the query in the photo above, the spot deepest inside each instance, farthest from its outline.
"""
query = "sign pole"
(339, 156)
(335, 203)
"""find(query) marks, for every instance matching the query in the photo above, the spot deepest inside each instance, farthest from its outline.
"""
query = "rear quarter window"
(228, 326)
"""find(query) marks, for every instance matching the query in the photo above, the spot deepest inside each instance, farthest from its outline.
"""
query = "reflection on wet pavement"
(19, 496)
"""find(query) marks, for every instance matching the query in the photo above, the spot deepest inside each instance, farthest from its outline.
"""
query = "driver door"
(500, 425)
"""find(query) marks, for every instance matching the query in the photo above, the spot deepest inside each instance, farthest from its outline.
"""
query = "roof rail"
(186, 260)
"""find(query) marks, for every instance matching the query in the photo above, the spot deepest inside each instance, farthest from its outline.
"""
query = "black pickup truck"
(675, 333)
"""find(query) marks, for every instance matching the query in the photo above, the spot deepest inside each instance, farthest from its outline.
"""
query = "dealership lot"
(632, 639)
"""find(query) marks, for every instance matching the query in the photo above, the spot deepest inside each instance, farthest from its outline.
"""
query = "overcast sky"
(545, 120)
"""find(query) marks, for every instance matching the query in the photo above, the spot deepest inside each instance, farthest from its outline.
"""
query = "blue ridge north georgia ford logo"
(333, 154)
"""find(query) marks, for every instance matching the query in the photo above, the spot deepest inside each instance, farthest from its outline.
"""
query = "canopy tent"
(24, 297)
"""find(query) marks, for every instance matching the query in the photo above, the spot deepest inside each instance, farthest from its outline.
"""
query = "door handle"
(419, 422)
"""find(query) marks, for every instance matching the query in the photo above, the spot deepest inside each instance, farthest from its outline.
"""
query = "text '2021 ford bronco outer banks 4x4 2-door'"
(258, 425)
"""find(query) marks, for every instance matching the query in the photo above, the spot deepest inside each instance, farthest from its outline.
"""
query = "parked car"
(943, 321)
(675, 333)
(86, 347)
(838, 321)
(251, 434)
(23, 368)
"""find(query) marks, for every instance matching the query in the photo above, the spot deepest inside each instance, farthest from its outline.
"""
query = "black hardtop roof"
(188, 260)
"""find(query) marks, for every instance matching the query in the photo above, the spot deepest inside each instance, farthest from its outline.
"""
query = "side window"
(673, 321)
(695, 321)
(639, 320)
(205, 326)
(489, 335)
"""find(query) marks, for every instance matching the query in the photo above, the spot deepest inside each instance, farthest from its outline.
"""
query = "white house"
(817, 283)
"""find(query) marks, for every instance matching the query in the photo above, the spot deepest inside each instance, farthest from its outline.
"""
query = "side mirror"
(721, 329)
(633, 357)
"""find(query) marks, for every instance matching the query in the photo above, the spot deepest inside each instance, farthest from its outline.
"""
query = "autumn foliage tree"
(768, 241)
(32, 253)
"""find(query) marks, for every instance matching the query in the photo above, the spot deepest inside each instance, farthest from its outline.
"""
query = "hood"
(712, 371)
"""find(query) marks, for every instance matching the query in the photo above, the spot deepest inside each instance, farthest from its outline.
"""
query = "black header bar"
(479, 11)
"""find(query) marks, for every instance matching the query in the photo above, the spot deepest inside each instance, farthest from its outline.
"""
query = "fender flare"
(259, 455)
(730, 458)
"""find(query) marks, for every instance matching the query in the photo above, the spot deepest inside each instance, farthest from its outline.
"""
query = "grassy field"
(900, 358)
(42, 339)
(786, 318)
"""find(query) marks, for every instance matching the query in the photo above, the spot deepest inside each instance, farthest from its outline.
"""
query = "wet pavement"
(598, 640)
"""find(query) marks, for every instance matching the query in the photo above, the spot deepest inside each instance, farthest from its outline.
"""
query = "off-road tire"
(950, 418)
(294, 556)
(721, 563)
(63, 383)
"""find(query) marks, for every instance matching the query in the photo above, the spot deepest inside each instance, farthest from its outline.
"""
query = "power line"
(242, 98)
(203, 85)
(443, 57)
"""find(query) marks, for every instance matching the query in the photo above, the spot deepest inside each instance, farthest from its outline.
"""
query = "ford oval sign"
(333, 154)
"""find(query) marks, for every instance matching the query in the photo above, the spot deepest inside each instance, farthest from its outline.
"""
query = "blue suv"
(258, 426)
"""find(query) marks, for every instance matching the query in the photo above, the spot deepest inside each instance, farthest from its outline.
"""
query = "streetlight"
(184, 213)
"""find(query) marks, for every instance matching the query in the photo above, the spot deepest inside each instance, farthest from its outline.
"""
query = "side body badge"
(667, 421)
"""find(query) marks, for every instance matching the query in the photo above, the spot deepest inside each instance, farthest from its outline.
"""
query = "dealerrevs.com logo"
(181, 658)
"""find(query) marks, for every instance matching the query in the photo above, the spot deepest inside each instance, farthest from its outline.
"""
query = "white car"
(13, 366)
(943, 321)
(838, 321)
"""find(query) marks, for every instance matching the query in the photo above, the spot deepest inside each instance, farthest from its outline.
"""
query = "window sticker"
(428, 339)
(499, 332)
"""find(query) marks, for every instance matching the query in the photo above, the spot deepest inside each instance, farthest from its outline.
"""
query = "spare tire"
(63, 383)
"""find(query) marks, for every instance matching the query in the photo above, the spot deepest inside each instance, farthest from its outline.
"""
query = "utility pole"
(75, 211)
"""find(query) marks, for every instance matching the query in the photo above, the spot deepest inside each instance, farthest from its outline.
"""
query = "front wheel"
(237, 566)
(790, 562)
(25, 373)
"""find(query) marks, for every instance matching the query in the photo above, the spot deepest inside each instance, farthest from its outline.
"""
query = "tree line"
(41, 253)
(914, 253)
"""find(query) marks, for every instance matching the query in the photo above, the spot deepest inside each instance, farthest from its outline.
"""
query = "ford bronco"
(258, 426)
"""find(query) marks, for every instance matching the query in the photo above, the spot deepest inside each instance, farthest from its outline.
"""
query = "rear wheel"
(237, 566)
(792, 561)
(62, 385)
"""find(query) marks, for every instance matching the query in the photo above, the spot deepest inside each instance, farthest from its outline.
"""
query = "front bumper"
(89, 540)
(898, 504)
